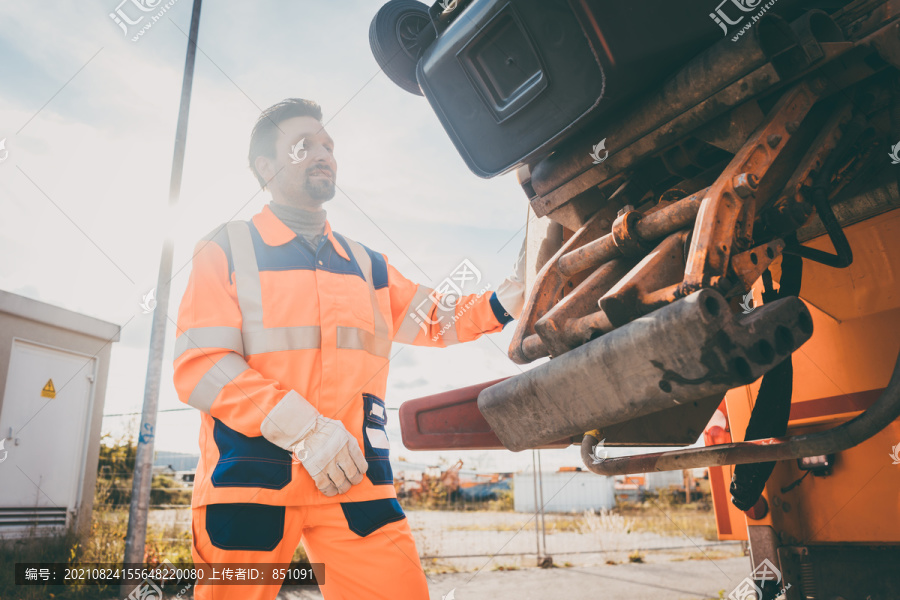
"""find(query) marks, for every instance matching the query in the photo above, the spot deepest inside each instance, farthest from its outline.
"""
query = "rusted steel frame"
(843, 254)
(750, 265)
(556, 327)
(555, 185)
(702, 77)
(668, 132)
(526, 345)
(662, 267)
(882, 413)
(792, 209)
(732, 197)
(648, 228)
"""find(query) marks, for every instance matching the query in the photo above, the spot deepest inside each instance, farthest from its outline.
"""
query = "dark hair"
(262, 140)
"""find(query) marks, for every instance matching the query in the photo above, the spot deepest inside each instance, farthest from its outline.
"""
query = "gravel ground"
(691, 568)
(685, 580)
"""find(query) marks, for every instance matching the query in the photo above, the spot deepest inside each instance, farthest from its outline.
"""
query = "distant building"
(564, 491)
(177, 461)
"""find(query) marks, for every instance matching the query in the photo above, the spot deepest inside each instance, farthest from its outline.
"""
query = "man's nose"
(321, 155)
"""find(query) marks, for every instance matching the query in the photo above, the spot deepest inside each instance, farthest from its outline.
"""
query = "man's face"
(304, 162)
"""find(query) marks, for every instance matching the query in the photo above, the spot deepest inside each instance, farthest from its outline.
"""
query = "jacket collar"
(275, 233)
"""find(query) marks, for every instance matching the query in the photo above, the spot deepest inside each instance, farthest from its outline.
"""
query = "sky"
(89, 119)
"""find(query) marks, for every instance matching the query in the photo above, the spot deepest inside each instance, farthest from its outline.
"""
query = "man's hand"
(511, 292)
(331, 456)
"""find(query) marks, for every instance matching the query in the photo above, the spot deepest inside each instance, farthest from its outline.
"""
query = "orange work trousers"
(366, 547)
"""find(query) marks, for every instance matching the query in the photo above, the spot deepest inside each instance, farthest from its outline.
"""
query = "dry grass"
(671, 520)
(435, 567)
(674, 520)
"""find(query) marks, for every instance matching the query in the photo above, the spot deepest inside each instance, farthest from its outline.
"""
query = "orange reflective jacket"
(265, 320)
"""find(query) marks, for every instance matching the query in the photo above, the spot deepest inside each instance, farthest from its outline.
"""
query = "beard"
(319, 189)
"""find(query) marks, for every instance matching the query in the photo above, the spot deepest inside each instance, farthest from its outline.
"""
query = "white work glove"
(331, 456)
(511, 292)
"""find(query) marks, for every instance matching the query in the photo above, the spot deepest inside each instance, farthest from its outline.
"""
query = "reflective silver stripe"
(409, 327)
(277, 339)
(365, 264)
(246, 273)
(217, 377)
(209, 337)
(353, 338)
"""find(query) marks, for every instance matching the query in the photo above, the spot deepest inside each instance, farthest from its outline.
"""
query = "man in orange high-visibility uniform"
(284, 334)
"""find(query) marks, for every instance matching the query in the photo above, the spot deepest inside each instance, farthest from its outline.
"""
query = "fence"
(576, 525)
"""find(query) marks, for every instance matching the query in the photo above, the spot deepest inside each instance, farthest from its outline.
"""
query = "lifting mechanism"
(637, 309)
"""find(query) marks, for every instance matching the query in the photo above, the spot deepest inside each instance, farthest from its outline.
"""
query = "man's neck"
(312, 206)
(307, 222)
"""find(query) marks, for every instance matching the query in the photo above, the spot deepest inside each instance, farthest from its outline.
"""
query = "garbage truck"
(713, 255)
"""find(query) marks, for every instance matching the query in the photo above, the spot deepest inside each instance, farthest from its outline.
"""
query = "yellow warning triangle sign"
(49, 391)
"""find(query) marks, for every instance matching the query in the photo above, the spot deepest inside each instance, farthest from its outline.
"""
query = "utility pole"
(537, 522)
(143, 463)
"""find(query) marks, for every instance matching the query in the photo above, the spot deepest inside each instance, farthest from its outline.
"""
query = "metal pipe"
(882, 413)
(652, 226)
(582, 329)
(688, 351)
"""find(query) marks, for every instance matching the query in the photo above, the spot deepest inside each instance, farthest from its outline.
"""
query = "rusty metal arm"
(881, 414)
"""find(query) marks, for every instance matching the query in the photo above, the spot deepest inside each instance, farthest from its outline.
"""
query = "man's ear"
(265, 167)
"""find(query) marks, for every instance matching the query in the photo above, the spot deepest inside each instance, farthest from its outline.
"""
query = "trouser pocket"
(249, 461)
(244, 526)
(377, 446)
(367, 516)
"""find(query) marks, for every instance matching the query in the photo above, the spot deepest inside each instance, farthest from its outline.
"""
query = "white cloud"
(101, 150)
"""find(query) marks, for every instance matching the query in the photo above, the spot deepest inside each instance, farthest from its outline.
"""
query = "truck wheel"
(393, 37)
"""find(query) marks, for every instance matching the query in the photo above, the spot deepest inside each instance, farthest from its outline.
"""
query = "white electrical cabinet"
(53, 368)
